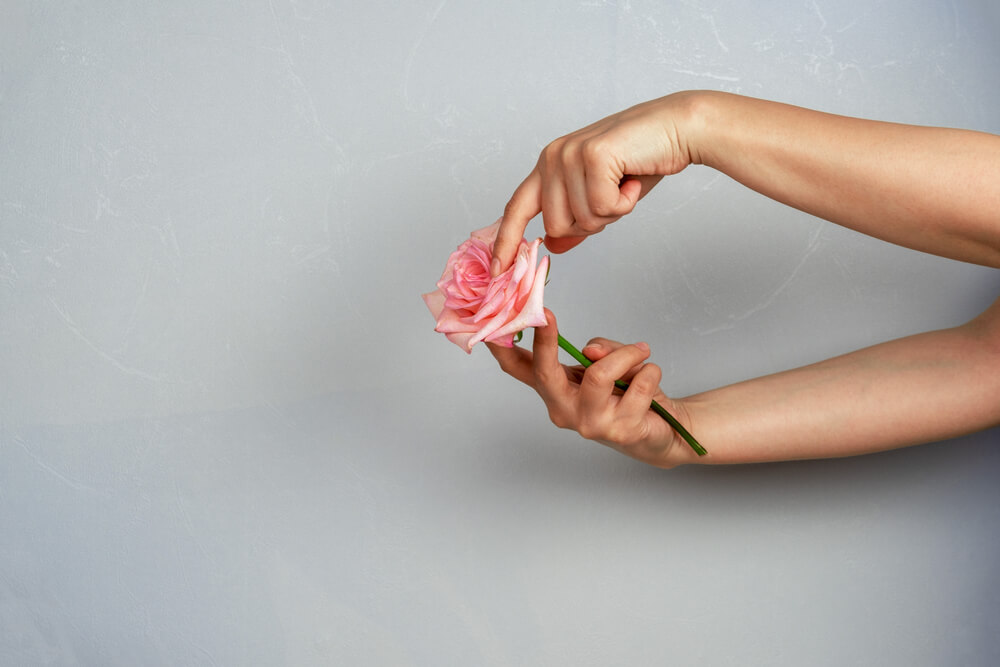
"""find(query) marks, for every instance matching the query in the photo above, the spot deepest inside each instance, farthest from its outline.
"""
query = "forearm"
(931, 189)
(913, 390)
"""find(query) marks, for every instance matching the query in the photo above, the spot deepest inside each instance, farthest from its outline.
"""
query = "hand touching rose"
(590, 178)
(588, 400)
(471, 307)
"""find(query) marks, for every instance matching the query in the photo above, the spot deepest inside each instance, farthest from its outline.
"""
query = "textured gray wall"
(228, 435)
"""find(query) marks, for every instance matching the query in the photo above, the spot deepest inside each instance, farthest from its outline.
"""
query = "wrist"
(680, 452)
(706, 115)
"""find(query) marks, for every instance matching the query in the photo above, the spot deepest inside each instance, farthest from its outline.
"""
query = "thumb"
(629, 193)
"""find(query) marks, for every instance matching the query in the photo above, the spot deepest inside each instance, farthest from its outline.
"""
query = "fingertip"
(630, 191)
(501, 261)
(547, 334)
(598, 348)
(562, 244)
(643, 347)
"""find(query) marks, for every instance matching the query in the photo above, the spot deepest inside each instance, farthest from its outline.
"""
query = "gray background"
(229, 436)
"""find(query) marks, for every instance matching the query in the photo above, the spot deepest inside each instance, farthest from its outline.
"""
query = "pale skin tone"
(931, 189)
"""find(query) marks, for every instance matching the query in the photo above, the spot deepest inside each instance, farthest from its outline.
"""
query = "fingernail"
(495, 267)
(643, 347)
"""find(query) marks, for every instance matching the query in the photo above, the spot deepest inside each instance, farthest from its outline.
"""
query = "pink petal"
(533, 312)
(503, 341)
(499, 320)
(451, 321)
(488, 234)
(462, 340)
(435, 302)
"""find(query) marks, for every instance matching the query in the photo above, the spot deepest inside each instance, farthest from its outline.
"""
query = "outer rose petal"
(488, 234)
(462, 340)
(452, 322)
(435, 302)
(503, 341)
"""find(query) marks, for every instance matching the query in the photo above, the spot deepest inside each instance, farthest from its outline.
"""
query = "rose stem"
(656, 407)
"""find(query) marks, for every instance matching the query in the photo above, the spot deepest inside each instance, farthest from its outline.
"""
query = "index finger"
(524, 204)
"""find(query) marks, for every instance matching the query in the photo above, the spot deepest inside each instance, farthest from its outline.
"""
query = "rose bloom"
(470, 307)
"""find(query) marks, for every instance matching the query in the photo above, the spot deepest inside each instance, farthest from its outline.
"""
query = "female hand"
(586, 400)
(586, 180)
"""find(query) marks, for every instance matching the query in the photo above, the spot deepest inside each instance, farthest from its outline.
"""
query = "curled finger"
(643, 388)
(598, 348)
(556, 167)
(598, 383)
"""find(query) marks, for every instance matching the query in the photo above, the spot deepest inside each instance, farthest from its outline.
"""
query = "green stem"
(656, 407)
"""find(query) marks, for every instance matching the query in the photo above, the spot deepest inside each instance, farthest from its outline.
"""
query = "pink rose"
(470, 307)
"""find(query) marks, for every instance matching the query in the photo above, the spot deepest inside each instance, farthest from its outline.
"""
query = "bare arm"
(928, 188)
(917, 389)
(932, 189)
(913, 390)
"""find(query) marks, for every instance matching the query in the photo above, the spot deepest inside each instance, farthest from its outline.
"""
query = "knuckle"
(588, 431)
(559, 418)
(552, 155)
(643, 384)
(594, 151)
(620, 436)
(648, 378)
(596, 377)
(508, 369)
(555, 225)
(544, 376)
(510, 208)
(514, 208)
(565, 152)
(591, 225)
(601, 208)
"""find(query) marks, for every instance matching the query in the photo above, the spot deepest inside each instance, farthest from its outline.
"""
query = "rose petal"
(533, 312)
(462, 340)
(487, 328)
(435, 302)
(502, 341)
(451, 321)
(488, 234)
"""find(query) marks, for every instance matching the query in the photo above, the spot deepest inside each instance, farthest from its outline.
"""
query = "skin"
(931, 189)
